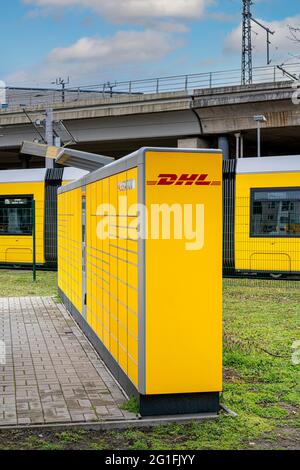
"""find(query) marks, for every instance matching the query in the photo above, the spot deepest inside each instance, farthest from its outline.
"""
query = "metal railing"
(28, 97)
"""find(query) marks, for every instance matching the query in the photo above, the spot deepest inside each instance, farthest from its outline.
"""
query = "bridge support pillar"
(193, 143)
(223, 144)
(25, 161)
(49, 163)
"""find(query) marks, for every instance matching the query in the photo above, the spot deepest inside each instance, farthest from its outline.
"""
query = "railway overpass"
(114, 124)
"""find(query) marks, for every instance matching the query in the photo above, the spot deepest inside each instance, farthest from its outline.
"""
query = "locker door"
(83, 206)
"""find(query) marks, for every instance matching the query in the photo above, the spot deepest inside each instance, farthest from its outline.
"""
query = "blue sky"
(98, 40)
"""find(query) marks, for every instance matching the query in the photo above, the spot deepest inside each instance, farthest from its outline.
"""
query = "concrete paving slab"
(52, 374)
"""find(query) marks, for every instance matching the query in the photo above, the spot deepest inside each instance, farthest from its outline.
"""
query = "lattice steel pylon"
(247, 44)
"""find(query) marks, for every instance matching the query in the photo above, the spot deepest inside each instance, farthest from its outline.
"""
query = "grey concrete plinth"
(193, 143)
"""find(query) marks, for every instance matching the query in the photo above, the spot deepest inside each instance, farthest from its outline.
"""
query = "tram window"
(15, 215)
(275, 212)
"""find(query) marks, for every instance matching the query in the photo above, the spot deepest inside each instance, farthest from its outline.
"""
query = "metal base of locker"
(179, 404)
(150, 405)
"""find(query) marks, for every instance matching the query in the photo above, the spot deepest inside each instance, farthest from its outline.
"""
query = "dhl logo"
(183, 180)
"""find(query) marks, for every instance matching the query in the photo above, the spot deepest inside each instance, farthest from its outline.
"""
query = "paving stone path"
(51, 372)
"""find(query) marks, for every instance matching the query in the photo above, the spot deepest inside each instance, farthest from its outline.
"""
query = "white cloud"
(123, 11)
(282, 48)
(172, 27)
(102, 57)
(223, 17)
(122, 47)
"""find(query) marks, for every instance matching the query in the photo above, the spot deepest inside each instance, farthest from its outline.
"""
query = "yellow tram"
(262, 216)
(18, 188)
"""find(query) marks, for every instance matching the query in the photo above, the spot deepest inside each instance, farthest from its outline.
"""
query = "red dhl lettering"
(183, 180)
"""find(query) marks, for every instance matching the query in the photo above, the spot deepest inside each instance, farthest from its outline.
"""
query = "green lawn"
(20, 283)
(261, 383)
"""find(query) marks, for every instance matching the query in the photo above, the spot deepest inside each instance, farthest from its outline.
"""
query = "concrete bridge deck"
(117, 125)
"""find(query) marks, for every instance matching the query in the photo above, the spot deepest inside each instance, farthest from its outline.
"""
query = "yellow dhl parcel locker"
(140, 269)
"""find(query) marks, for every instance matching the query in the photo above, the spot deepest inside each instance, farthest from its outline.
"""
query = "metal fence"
(262, 242)
(250, 285)
(270, 260)
(28, 97)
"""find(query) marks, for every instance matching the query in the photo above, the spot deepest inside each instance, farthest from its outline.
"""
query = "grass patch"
(70, 436)
(131, 405)
(14, 283)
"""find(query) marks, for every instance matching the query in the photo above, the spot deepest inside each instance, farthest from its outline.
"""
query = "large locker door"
(83, 207)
